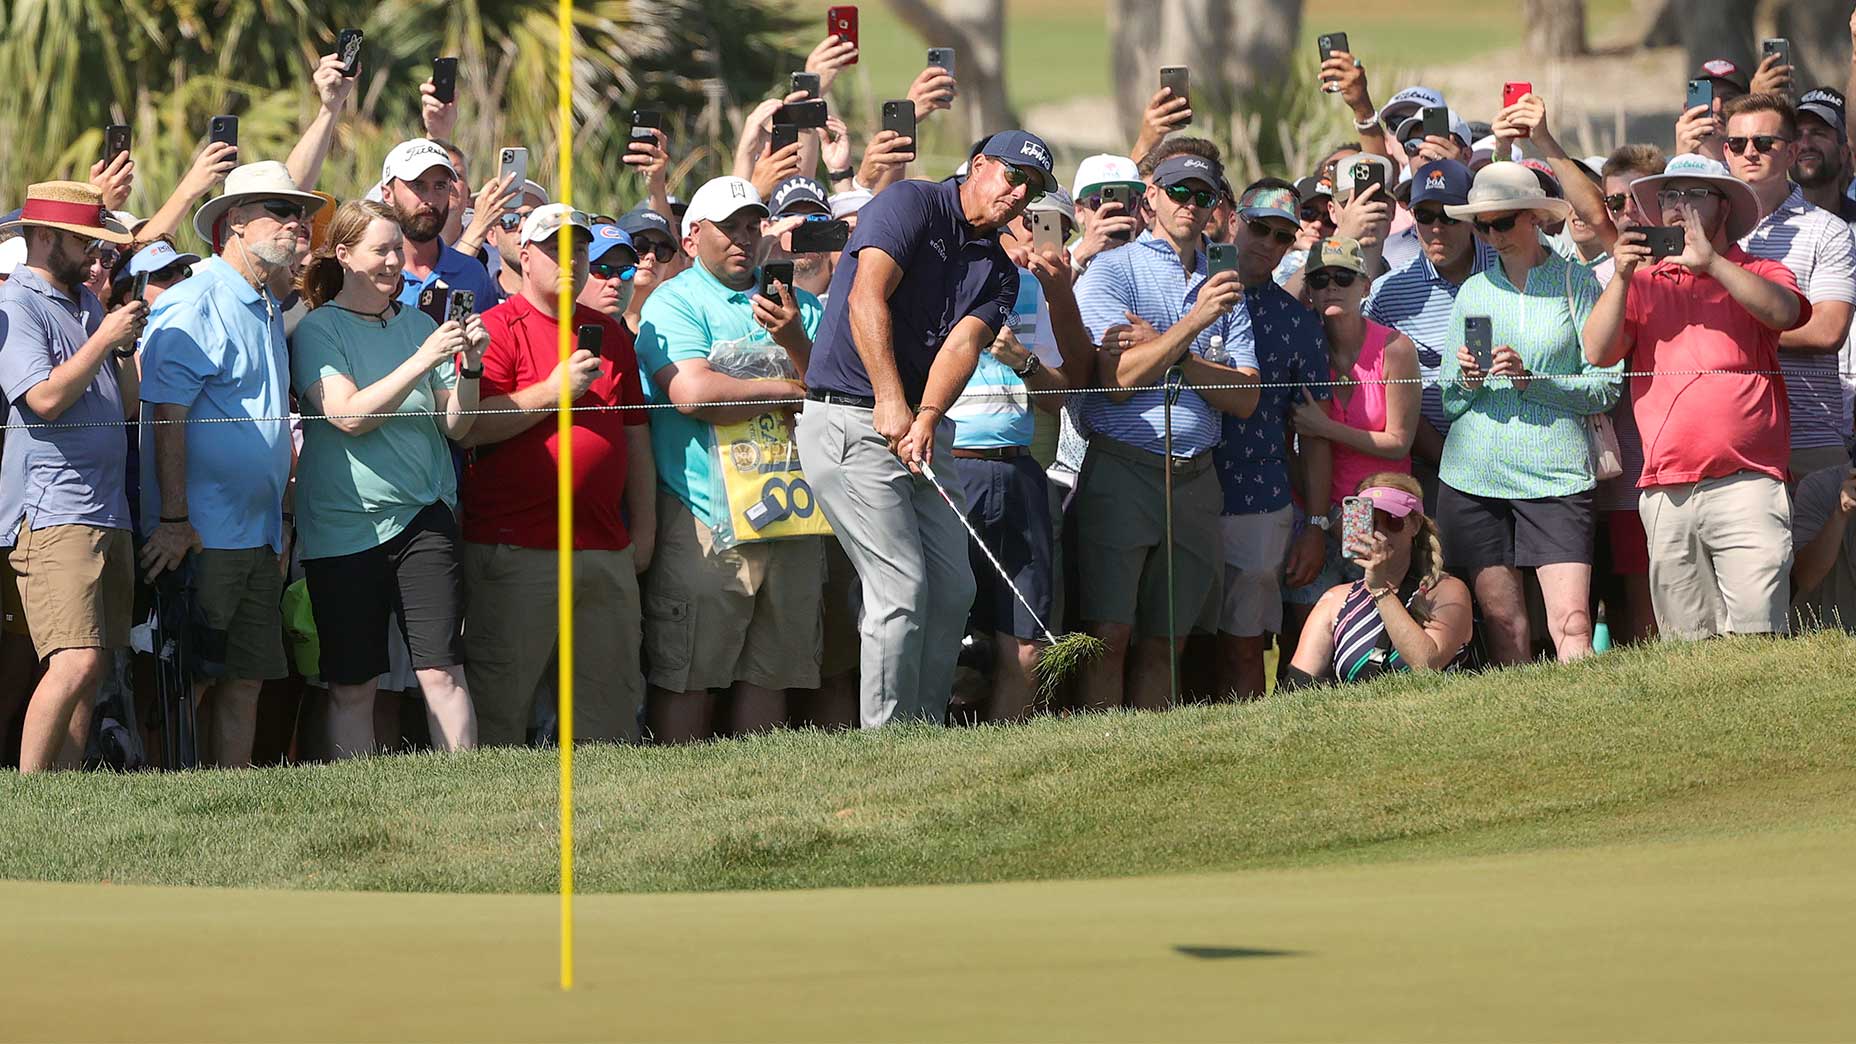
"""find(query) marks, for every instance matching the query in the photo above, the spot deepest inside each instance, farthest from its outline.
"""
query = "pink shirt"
(1702, 427)
(1365, 410)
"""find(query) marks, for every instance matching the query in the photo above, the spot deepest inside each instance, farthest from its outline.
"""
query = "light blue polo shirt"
(685, 318)
(995, 409)
(215, 345)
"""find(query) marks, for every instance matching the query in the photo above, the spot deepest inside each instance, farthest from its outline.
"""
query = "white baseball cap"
(544, 221)
(1103, 169)
(409, 159)
(720, 199)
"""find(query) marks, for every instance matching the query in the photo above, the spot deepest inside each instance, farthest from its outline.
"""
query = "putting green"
(1730, 938)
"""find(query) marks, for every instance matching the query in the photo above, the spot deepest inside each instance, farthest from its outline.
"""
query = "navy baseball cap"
(644, 219)
(1825, 103)
(609, 237)
(1441, 181)
(1187, 167)
(1024, 150)
(797, 192)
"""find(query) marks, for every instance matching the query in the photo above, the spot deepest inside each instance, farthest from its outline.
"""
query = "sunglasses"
(509, 221)
(1502, 225)
(283, 209)
(1262, 230)
(1018, 177)
(608, 270)
(106, 258)
(1435, 216)
(1201, 198)
(1323, 279)
(1677, 197)
(654, 248)
(170, 275)
(1762, 143)
(1314, 212)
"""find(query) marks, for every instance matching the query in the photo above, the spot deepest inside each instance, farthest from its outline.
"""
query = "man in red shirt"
(511, 511)
(1715, 445)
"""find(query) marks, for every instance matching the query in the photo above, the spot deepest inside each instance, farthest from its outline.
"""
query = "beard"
(273, 253)
(71, 271)
(1817, 172)
(424, 224)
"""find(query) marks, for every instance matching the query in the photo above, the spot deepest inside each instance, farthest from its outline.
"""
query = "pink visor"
(1394, 502)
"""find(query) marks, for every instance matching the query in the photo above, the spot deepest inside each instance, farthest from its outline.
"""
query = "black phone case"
(348, 45)
(784, 134)
(775, 272)
(1665, 241)
(1436, 123)
(1331, 42)
(1479, 338)
(810, 114)
(445, 79)
(807, 82)
(899, 116)
(115, 140)
(820, 237)
(223, 128)
(591, 337)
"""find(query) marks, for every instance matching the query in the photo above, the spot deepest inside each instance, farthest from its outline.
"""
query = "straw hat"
(74, 206)
(252, 183)
(1743, 206)
(1503, 186)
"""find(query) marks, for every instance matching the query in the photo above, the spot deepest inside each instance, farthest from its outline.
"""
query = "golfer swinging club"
(923, 289)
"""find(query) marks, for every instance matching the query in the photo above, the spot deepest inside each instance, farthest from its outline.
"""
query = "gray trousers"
(910, 551)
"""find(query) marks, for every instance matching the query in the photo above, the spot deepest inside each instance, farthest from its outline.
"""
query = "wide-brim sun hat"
(72, 206)
(1505, 186)
(1743, 205)
(253, 183)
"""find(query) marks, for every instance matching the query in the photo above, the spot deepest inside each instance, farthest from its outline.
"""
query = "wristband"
(841, 175)
(1377, 595)
(469, 374)
(1366, 124)
(166, 521)
(123, 353)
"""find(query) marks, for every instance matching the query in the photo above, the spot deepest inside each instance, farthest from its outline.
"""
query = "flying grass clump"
(1063, 657)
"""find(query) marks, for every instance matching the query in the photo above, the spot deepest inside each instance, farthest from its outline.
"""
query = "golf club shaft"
(926, 470)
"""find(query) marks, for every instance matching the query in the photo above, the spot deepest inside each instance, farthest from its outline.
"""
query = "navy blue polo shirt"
(950, 271)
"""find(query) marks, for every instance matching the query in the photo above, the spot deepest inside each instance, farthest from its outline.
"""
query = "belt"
(992, 453)
(1184, 467)
(840, 399)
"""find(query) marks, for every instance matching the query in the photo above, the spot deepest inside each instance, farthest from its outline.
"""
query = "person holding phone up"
(1517, 475)
(376, 490)
(1714, 503)
(741, 626)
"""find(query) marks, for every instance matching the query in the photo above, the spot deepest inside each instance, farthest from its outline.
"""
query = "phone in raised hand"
(1436, 122)
(514, 160)
(445, 79)
(138, 291)
(805, 83)
(784, 134)
(1356, 525)
(644, 121)
(1479, 338)
(223, 129)
(1220, 257)
(460, 306)
(1325, 46)
(899, 116)
(1123, 195)
(841, 22)
(1700, 93)
(772, 272)
(348, 47)
(115, 142)
(1178, 79)
(942, 57)
(1046, 229)
(590, 338)
(1664, 240)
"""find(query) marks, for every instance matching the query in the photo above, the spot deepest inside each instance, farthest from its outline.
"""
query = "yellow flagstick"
(564, 487)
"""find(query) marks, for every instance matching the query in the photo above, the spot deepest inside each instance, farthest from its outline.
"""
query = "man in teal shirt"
(744, 621)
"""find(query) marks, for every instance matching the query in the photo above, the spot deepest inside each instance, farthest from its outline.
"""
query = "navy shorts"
(1008, 504)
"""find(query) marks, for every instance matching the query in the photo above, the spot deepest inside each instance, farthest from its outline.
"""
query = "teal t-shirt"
(684, 319)
(356, 492)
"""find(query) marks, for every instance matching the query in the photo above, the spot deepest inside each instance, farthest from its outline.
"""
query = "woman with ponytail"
(382, 388)
(1406, 614)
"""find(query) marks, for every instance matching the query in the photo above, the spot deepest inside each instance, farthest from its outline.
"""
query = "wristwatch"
(469, 374)
(1321, 522)
(123, 353)
(1032, 365)
(1366, 124)
(841, 175)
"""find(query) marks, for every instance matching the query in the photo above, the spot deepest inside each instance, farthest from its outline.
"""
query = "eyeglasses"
(657, 249)
(106, 258)
(1763, 143)
(1434, 216)
(1262, 230)
(1322, 279)
(170, 275)
(1500, 225)
(1022, 176)
(1314, 212)
(283, 209)
(608, 270)
(1677, 197)
(1201, 198)
(1616, 202)
(509, 221)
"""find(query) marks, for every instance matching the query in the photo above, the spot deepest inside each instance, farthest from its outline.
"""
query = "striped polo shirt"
(995, 408)
(1415, 300)
(1816, 245)
(1146, 278)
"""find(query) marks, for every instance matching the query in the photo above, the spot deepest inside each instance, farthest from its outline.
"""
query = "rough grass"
(1672, 741)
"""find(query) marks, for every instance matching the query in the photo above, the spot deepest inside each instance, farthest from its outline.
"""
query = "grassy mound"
(1670, 742)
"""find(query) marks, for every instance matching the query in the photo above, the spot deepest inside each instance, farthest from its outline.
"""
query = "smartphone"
(432, 301)
(514, 161)
(139, 290)
(784, 134)
(445, 79)
(460, 305)
(644, 121)
(348, 45)
(899, 116)
(1123, 195)
(810, 114)
(223, 128)
(1664, 240)
(115, 141)
(1327, 43)
(1356, 523)
(804, 83)
(1700, 93)
(821, 237)
(1178, 79)
(943, 57)
(1220, 257)
(841, 22)
(775, 272)
(1514, 91)
(590, 338)
(1436, 123)
(1479, 338)
(1046, 229)
(1779, 46)
(1365, 174)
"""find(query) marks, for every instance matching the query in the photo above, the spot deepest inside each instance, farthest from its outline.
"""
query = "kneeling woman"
(380, 394)
(1407, 614)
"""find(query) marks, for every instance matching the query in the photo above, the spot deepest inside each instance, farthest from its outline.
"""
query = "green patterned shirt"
(1523, 445)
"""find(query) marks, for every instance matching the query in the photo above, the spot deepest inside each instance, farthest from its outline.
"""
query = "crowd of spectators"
(852, 442)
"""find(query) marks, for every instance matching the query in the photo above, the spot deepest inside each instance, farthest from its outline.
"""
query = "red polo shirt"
(508, 494)
(1702, 427)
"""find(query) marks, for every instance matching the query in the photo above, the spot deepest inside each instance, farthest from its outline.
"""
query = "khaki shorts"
(238, 599)
(751, 614)
(1121, 540)
(76, 586)
(512, 640)
(12, 612)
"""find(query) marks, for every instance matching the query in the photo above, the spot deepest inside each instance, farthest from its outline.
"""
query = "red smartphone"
(1515, 91)
(841, 21)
